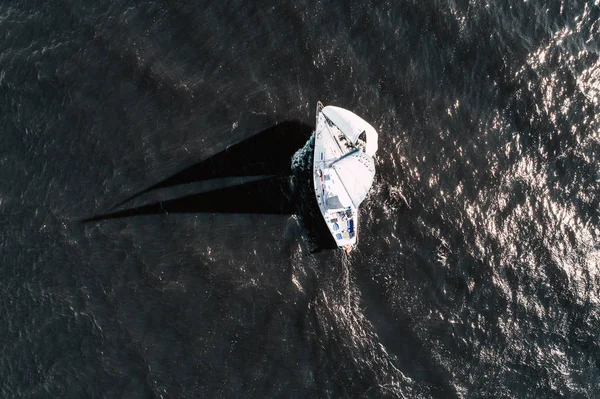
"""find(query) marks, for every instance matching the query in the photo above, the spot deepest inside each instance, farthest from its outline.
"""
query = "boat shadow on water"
(276, 187)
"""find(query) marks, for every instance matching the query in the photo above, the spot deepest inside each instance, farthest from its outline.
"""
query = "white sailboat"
(343, 170)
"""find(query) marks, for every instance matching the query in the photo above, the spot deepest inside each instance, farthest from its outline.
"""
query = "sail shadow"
(272, 195)
(266, 153)
(282, 189)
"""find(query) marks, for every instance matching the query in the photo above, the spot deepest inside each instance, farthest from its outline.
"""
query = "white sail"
(352, 126)
(356, 172)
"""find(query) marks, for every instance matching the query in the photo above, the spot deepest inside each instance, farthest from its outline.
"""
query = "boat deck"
(330, 145)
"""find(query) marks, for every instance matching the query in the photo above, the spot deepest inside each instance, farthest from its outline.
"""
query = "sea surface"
(158, 238)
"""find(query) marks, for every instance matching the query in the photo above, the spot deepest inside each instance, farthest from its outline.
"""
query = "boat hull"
(340, 215)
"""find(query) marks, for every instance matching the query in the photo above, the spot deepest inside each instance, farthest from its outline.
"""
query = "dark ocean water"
(478, 268)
